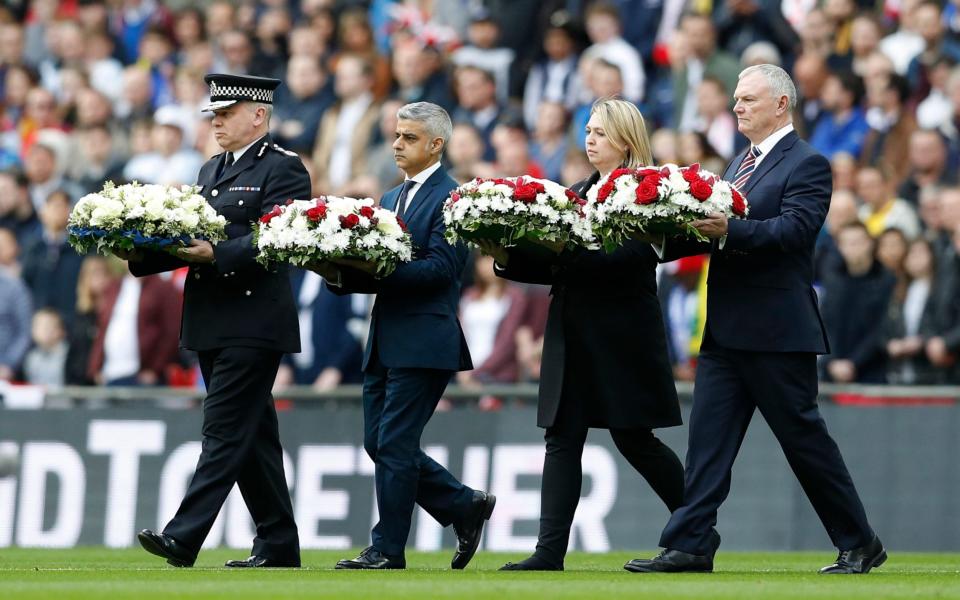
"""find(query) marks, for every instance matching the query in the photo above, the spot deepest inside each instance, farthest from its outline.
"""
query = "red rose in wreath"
(349, 221)
(700, 189)
(739, 204)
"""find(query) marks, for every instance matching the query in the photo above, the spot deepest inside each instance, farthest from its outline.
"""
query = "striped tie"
(746, 167)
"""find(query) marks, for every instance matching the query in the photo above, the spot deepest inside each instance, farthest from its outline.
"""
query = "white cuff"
(661, 247)
(722, 241)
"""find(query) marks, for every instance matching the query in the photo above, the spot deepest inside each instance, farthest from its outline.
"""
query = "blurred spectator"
(904, 43)
(329, 355)
(420, 76)
(935, 110)
(132, 21)
(842, 127)
(477, 103)
(66, 43)
(680, 301)
(605, 28)
(554, 77)
(663, 144)
(46, 360)
(865, 38)
(270, 42)
(576, 167)
(930, 26)
(741, 23)
(855, 300)
(189, 31)
(928, 164)
(512, 152)
(346, 129)
(929, 210)
(97, 272)
(219, 18)
(950, 128)
(948, 221)
(702, 58)
(465, 152)
(891, 124)
(942, 348)
(170, 161)
(892, 246)
(137, 101)
(491, 310)
(305, 41)
(42, 14)
(98, 161)
(11, 49)
(881, 209)
(550, 141)
(482, 51)
(840, 15)
(381, 165)
(693, 147)
(647, 21)
(356, 38)
(15, 314)
(9, 252)
(50, 265)
(810, 73)
(157, 55)
(844, 167)
(909, 319)
(16, 209)
(715, 121)
(138, 332)
(236, 52)
(760, 53)
(603, 80)
(17, 83)
(842, 212)
(816, 33)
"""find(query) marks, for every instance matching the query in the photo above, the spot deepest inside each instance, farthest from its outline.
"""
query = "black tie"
(227, 161)
(403, 201)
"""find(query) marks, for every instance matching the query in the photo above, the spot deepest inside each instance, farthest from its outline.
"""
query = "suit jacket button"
(232, 273)
(214, 193)
(196, 275)
(249, 292)
(240, 203)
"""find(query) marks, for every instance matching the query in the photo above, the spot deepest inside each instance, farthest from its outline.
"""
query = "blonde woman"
(605, 361)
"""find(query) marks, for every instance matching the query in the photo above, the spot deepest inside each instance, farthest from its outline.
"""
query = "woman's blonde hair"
(624, 125)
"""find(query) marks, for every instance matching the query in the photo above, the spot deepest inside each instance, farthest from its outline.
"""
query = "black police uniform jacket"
(235, 301)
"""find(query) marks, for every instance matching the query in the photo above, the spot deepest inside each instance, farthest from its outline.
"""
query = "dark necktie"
(746, 167)
(227, 161)
(403, 202)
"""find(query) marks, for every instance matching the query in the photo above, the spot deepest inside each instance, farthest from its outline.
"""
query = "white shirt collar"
(771, 140)
(238, 153)
(425, 174)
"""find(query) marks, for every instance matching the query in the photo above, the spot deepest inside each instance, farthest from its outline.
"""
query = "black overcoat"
(605, 346)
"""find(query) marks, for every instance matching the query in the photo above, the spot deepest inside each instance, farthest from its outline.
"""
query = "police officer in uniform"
(240, 318)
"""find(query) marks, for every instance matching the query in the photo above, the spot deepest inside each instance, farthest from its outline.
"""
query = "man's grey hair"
(267, 108)
(435, 119)
(778, 80)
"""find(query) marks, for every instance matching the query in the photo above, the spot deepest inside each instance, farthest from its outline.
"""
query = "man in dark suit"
(761, 340)
(240, 318)
(414, 348)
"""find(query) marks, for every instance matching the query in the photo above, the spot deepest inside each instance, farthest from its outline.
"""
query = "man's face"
(926, 151)
(304, 77)
(855, 245)
(39, 164)
(413, 149)
(757, 110)
(350, 81)
(474, 90)
(235, 126)
(871, 187)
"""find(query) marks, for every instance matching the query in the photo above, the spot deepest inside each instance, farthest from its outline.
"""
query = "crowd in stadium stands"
(98, 90)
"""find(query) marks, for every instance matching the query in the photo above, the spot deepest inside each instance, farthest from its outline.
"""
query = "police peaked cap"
(227, 90)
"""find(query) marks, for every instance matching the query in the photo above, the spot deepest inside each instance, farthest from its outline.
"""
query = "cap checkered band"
(239, 92)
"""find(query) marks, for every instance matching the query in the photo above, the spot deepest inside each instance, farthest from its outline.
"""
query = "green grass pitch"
(96, 573)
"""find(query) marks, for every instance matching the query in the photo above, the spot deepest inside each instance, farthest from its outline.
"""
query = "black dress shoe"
(371, 558)
(468, 532)
(671, 561)
(533, 563)
(166, 547)
(858, 561)
(258, 562)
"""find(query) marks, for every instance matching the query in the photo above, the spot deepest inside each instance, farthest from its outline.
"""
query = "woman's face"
(891, 250)
(919, 261)
(601, 152)
(689, 148)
